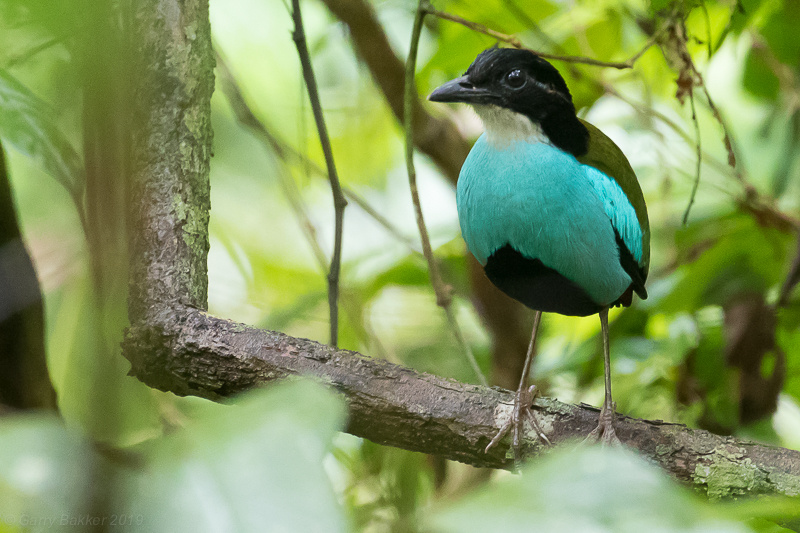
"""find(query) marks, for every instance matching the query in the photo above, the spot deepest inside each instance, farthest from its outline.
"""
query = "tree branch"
(171, 149)
(189, 352)
(339, 202)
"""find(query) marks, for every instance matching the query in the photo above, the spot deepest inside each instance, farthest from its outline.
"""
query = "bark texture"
(168, 217)
(189, 352)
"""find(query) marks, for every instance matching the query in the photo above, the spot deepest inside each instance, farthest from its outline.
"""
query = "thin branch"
(475, 26)
(339, 202)
(444, 297)
(516, 43)
(699, 158)
(245, 116)
(726, 136)
(435, 136)
(749, 199)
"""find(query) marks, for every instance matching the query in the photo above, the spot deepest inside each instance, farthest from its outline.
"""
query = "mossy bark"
(168, 219)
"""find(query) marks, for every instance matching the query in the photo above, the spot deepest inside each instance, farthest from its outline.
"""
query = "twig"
(444, 298)
(339, 202)
(699, 158)
(244, 114)
(283, 151)
(516, 43)
(438, 138)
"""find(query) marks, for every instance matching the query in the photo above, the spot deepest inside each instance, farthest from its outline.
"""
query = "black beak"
(460, 90)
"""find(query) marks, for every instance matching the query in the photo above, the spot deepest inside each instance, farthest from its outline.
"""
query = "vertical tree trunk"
(173, 83)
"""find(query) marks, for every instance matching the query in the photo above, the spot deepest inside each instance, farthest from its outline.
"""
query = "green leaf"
(758, 78)
(658, 5)
(590, 489)
(46, 472)
(252, 466)
(781, 33)
(87, 368)
(605, 35)
(26, 123)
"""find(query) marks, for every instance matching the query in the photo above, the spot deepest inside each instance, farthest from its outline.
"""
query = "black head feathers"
(524, 83)
(493, 64)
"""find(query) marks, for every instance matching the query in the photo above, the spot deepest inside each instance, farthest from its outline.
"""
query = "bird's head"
(516, 93)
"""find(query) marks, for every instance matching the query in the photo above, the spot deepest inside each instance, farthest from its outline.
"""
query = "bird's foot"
(521, 412)
(605, 433)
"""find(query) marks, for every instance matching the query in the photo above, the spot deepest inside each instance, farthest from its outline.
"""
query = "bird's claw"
(605, 433)
(522, 408)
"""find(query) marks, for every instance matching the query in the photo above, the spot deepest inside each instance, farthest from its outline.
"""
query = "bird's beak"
(460, 90)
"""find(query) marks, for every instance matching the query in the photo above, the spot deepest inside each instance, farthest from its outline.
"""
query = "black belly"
(537, 286)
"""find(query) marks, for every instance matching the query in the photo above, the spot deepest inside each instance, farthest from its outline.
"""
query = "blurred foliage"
(588, 490)
(206, 477)
(686, 354)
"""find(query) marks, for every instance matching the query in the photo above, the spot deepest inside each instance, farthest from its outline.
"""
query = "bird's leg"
(522, 402)
(604, 432)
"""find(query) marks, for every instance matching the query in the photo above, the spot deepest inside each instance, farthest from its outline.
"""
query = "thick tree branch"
(187, 351)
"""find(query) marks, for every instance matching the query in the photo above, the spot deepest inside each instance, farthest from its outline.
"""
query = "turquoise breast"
(543, 203)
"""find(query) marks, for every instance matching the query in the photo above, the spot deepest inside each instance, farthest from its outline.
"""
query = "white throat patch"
(504, 126)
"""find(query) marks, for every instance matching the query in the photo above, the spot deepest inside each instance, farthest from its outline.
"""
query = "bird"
(549, 206)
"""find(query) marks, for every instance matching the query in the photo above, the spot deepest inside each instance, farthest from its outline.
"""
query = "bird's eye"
(515, 79)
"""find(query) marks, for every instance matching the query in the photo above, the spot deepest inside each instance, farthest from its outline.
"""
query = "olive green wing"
(606, 157)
